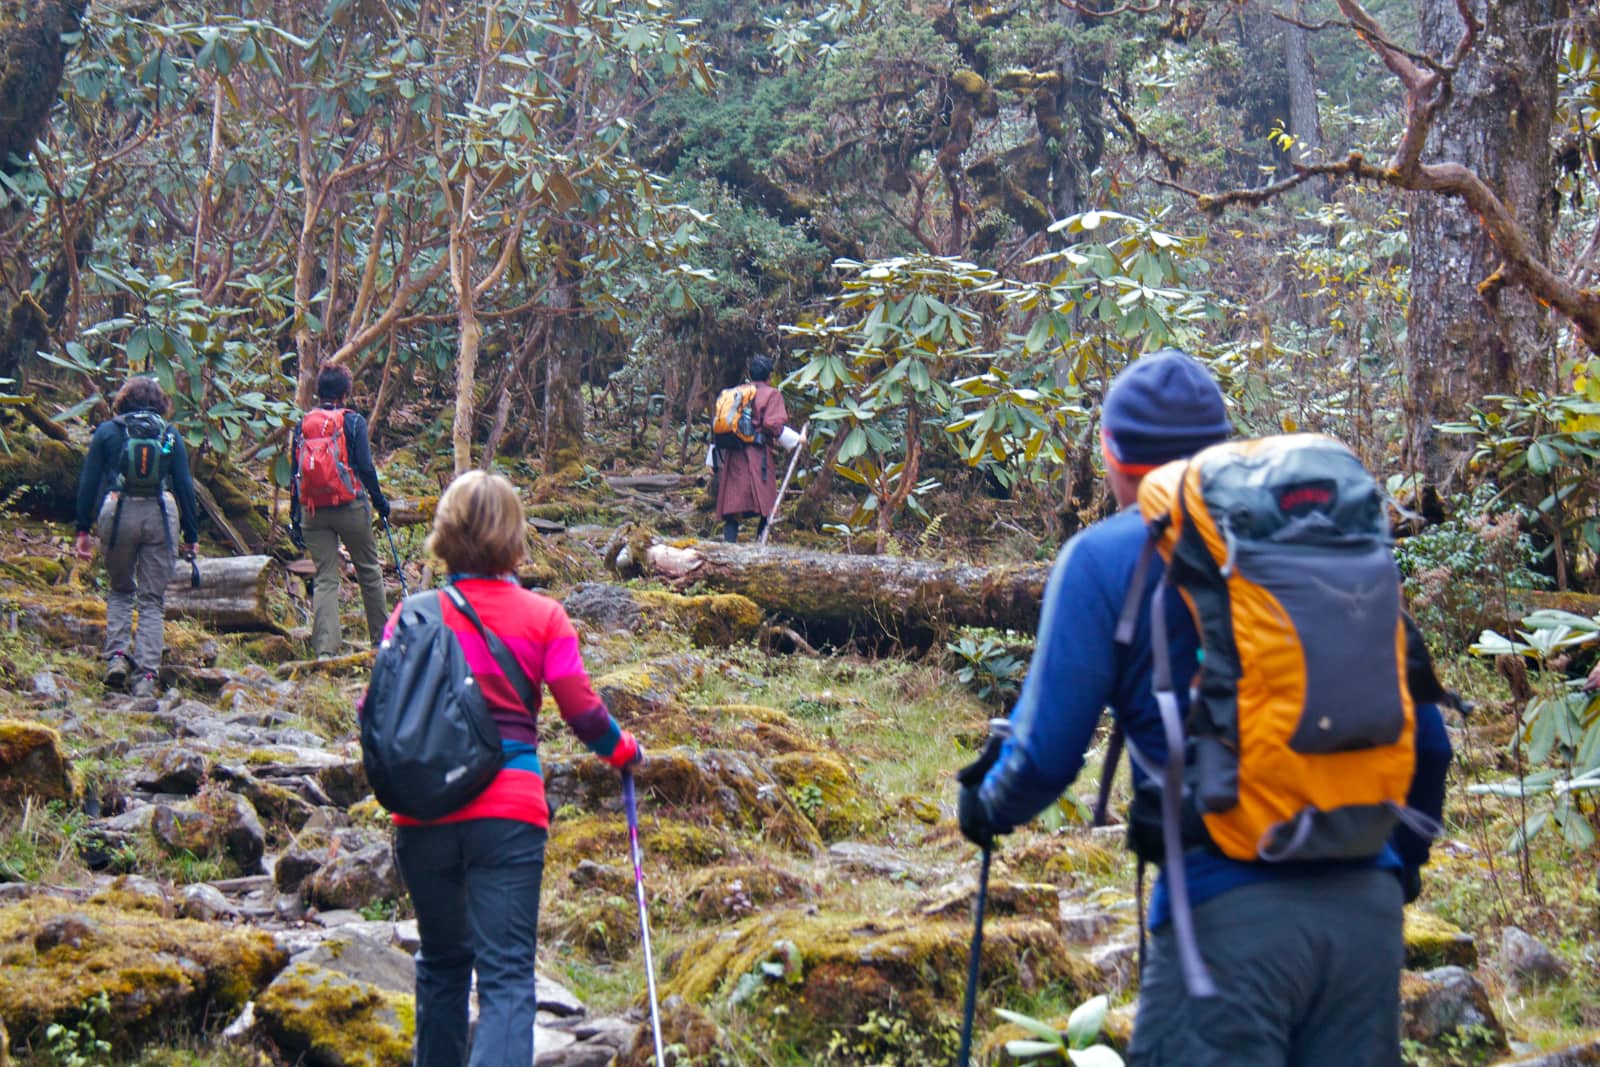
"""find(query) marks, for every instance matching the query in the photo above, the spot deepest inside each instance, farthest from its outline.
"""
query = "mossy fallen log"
(836, 597)
(236, 593)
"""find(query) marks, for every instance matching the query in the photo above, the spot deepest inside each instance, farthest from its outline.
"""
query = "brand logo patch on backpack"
(1301, 724)
(145, 453)
(734, 424)
(324, 475)
(429, 742)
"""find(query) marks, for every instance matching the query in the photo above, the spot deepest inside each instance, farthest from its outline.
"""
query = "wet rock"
(1527, 961)
(176, 769)
(32, 763)
(153, 969)
(1433, 942)
(356, 879)
(203, 902)
(1446, 1002)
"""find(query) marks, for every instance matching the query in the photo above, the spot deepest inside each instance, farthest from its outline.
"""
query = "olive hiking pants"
(139, 553)
(323, 530)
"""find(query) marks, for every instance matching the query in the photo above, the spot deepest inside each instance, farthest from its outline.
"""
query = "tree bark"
(1465, 339)
(1305, 123)
(836, 598)
(235, 593)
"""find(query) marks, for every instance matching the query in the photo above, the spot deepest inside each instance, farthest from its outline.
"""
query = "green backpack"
(146, 453)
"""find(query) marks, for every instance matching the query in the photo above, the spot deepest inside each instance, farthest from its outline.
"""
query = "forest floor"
(809, 890)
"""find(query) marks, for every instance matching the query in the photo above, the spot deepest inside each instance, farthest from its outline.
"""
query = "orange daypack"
(734, 423)
(1298, 743)
(1300, 722)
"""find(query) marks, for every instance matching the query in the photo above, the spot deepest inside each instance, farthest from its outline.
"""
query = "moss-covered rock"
(714, 620)
(334, 1020)
(667, 844)
(602, 926)
(56, 955)
(835, 972)
(1060, 858)
(32, 763)
(827, 792)
(636, 693)
(730, 788)
(738, 890)
(222, 825)
(1447, 1004)
(1433, 942)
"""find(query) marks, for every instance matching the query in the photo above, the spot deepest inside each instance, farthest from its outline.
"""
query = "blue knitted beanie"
(1163, 407)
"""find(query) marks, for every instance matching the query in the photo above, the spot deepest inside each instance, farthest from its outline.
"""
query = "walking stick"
(632, 807)
(972, 774)
(398, 570)
(778, 500)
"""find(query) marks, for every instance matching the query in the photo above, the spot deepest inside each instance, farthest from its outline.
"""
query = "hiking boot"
(145, 684)
(117, 668)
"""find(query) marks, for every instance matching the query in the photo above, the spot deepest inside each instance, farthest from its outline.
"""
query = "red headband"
(1133, 470)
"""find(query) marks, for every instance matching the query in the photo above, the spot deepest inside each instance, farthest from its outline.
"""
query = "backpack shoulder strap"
(497, 648)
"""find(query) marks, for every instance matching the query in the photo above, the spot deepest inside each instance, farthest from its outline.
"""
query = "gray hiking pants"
(139, 561)
(323, 530)
(1307, 973)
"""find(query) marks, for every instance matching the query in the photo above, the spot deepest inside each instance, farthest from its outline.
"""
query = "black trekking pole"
(632, 807)
(194, 570)
(398, 570)
(971, 775)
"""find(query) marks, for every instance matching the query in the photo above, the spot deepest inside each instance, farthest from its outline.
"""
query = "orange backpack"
(324, 476)
(734, 424)
(1298, 744)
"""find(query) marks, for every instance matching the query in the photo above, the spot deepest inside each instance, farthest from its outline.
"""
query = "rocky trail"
(209, 865)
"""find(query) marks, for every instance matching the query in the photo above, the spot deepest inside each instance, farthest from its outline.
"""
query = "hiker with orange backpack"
(333, 493)
(750, 418)
(1292, 824)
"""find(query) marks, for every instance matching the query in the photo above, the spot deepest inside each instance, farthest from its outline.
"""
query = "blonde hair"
(478, 527)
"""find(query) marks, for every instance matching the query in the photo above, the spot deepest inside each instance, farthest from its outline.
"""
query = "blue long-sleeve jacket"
(1078, 670)
(103, 463)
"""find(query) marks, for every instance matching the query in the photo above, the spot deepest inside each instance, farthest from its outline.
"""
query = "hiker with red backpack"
(1309, 763)
(333, 493)
(135, 484)
(749, 420)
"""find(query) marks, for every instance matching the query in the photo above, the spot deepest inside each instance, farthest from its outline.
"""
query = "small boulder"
(1036, 900)
(1527, 961)
(204, 902)
(173, 769)
(732, 892)
(1448, 1002)
(356, 879)
(334, 1020)
(683, 1025)
(32, 763)
(153, 969)
(354, 954)
(199, 826)
(1434, 942)
(639, 692)
(827, 792)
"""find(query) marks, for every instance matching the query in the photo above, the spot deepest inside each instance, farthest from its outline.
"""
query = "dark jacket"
(104, 463)
(359, 448)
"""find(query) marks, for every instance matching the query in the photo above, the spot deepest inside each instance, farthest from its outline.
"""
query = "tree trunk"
(471, 333)
(235, 593)
(1305, 123)
(836, 598)
(563, 388)
(1461, 345)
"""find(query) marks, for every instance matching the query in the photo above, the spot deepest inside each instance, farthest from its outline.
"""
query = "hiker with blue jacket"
(136, 493)
(1305, 956)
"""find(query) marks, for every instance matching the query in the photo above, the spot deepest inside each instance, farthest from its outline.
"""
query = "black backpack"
(146, 453)
(429, 742)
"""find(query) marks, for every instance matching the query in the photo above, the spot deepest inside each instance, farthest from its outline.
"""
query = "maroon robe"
(747, 477)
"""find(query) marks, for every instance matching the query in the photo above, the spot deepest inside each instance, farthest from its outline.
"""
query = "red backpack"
(324, 475)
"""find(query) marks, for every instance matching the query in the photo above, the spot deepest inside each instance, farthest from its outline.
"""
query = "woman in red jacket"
(474, 875)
